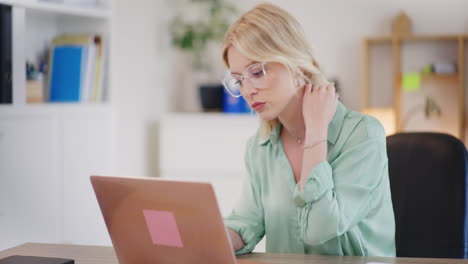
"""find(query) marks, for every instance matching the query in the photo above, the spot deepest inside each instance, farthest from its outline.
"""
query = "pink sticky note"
(163, 228)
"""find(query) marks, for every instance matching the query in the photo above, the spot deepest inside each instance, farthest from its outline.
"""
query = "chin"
(267, 116)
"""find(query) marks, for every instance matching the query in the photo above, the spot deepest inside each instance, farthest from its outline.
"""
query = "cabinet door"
(199, 142)
(30, 186)
(208, 148)
(88, 143)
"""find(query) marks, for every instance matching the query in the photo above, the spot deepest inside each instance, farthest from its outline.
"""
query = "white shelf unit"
(49, 150)
(102, 10)
(36, 23)
(208, 147)
(46, 158)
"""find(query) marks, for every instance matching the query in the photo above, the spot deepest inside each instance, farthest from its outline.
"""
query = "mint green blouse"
(345, 207)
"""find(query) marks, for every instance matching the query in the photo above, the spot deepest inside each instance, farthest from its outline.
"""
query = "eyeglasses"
(256, 74)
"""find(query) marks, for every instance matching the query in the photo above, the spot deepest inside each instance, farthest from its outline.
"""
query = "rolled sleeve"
(247, 219)
(250, 235)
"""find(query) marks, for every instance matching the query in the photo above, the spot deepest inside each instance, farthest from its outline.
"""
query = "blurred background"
(132, 88)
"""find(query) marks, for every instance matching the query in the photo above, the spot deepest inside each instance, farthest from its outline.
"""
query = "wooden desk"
(105, 255)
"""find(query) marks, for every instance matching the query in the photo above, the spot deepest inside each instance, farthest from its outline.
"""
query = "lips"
(257, 105)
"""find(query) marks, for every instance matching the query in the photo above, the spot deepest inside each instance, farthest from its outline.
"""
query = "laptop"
(163, 221)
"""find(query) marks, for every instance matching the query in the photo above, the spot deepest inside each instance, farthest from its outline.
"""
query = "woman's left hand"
(319, 107)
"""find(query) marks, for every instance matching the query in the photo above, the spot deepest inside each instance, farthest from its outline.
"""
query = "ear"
(299, 80)
(300, 88)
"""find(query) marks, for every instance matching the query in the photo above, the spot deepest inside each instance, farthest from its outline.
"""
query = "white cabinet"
(48, 151)
(198, 142)
(30, 186)
(46, 157)
(88, 149)
(208, 148)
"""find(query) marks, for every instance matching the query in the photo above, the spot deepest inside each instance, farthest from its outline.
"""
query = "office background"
(153, 124)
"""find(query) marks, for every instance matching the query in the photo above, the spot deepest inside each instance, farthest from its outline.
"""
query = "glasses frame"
(243, 77)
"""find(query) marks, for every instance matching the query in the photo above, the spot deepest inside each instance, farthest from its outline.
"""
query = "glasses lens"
(257, 74)
(232, 85)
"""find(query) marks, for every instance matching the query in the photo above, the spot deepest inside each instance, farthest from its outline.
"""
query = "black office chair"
(428, 179)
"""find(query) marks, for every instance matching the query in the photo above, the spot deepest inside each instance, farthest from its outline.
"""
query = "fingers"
(323, 88)
(308, 89)
(317, 88)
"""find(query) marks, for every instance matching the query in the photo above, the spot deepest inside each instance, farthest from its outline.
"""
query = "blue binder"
(235, 105)
(65, 78)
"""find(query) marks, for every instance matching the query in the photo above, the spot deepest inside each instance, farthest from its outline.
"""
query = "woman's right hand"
(236, 240)
(318, 108)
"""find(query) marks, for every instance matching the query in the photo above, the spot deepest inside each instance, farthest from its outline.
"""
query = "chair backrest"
(428, 178)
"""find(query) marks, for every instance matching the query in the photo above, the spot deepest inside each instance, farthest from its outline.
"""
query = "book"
(90, 67)
(98, 90)
(87, 72)
(65, 73)
(6, 83)
(34, 260)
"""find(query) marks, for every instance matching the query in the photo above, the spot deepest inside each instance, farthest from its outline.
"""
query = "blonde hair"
(268, 33)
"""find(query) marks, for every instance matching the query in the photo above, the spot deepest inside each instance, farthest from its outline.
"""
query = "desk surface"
(106, 255)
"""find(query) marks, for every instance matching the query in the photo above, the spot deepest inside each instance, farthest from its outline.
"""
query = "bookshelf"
(48, 150)
(35, 23)
(448, 88)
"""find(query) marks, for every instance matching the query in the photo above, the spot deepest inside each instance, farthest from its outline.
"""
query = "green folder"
(411, 82)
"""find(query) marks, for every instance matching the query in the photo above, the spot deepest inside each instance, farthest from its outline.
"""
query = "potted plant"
(193, 38)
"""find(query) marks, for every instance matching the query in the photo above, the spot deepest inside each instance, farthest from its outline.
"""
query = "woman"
(317, 173)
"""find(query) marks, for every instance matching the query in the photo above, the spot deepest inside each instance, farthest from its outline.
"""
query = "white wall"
(148, 77)
(138, 81)
(336, 28)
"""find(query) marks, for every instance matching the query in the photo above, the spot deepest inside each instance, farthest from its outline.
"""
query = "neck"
(292, 119)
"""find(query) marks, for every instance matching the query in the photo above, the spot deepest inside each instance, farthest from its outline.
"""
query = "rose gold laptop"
(161, 221)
